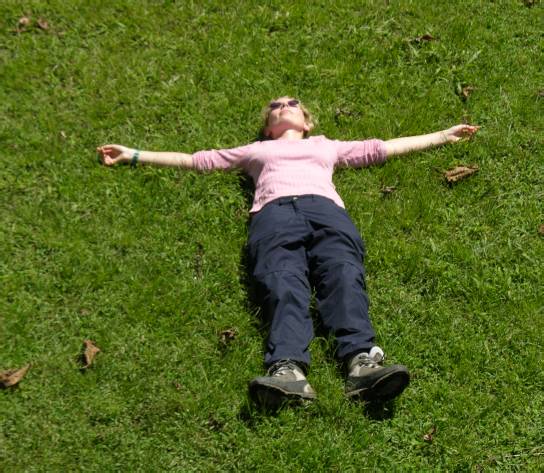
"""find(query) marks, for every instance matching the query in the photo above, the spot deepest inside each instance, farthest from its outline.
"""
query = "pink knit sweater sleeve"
(360, 153)
(221, 158)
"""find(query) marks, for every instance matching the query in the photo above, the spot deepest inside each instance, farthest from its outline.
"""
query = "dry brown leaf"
(43, 24)
(12, 377)
(428, 437)
(342, 111)
(388, 190)
(90, 351)
(425, 37)
(466, 91)
(541, 229)
(227, 336)
(23, 22)
(540, 93)
(459, 172)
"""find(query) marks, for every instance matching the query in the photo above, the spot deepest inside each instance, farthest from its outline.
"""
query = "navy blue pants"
(299, 242)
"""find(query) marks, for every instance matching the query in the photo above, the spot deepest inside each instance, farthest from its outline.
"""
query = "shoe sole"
(384, 389)
(274, 397)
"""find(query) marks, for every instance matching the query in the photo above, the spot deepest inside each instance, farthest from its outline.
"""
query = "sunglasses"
(290, 103)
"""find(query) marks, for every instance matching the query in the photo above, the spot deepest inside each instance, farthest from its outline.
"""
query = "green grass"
(149, 264)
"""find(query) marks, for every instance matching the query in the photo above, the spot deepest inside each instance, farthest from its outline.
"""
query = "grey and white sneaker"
(284, 381)
(368, 380)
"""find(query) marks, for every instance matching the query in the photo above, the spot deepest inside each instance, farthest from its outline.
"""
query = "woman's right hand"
(114, 154)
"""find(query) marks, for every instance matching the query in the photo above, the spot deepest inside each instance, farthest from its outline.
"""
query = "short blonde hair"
(308, 118)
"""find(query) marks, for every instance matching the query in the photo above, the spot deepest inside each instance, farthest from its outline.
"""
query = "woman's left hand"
(460, 132)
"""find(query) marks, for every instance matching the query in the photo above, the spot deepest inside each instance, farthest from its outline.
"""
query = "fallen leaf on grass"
(23, 22)
(42, 24)
(26, 22)
(388, 190)
(425, 37)
(12, 377)
(464, 91)
(345, 112)
(540, 93)
(541, 229)
(459, 172)
(339, 113)
(342, 111)
(227, 336)
(428, 437)
(89, 353)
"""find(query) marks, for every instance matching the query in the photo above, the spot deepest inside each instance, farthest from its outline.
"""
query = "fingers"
(461, 132)
(470, 130)
(465, 131)
(104, 158)
(108, 154)
(108, 149)
(101, 154)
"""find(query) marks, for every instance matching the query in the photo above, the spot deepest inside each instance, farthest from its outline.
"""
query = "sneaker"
(284, 381)
(368, 380)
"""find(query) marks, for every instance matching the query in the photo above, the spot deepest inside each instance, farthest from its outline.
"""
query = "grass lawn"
(148, 263)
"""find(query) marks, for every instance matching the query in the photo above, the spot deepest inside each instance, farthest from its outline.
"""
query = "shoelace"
(283, 369)
(365, 361)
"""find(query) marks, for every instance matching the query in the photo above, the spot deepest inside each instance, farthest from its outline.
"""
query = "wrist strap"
(135, 158)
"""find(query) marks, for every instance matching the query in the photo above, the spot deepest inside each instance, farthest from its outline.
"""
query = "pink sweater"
(293, 167)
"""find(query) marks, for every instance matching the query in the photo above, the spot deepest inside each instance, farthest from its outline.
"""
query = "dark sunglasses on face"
(290, 103)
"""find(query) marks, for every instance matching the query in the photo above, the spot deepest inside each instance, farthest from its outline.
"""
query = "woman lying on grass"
(301, 237)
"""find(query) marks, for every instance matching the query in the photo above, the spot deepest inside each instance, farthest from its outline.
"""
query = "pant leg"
(336, 253)
(279, 267)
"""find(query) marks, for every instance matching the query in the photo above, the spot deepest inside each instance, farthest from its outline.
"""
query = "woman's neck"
(290, 134)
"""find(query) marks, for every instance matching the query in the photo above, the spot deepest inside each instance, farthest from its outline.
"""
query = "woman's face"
(284, 114)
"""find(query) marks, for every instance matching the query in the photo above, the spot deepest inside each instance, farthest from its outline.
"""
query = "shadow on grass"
(252, 415)
(380, 410)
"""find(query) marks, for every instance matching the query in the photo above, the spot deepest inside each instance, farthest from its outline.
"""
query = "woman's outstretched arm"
(399, 146)
(116, 154)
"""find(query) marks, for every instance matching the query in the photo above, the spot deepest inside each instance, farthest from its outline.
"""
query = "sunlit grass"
(149, 263)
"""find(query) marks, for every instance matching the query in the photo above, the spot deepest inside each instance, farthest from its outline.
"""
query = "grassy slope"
(148, 263)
